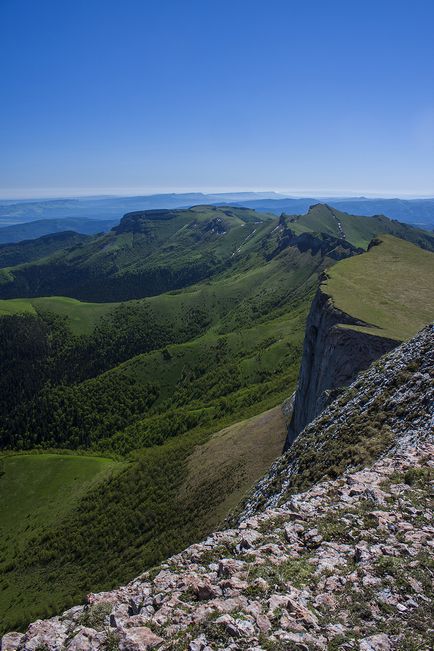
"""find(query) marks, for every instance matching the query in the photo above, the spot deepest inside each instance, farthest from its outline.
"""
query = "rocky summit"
(340, 559)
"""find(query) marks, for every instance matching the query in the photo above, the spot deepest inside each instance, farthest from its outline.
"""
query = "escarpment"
(332, 357)
(392, 399)
(343, 565)
(365, 306)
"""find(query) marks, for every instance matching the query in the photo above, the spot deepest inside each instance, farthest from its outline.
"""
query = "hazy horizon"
(315, 98)
(96, 193)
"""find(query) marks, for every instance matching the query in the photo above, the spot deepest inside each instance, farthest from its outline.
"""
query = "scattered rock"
(345, 559)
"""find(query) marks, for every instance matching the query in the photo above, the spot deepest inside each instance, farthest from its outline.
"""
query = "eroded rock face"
(332, 358)
(390, 400)
(344, 565)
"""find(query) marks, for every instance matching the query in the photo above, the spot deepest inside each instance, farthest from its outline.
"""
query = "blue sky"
(307, 96)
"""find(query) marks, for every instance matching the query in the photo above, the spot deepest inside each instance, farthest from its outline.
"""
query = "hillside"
(357, 229)
(40, 227)
(390, 288)
(319, 570)
(165, 384)
(151, 252)
(35, 249)
(363, 308)
(146, 254)
(417, 212)
(58, 480)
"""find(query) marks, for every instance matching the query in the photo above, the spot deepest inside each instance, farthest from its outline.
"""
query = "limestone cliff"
(342, 563)
(332, 357)
(365, 306)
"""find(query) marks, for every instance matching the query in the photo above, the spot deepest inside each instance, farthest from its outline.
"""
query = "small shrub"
(95, 616)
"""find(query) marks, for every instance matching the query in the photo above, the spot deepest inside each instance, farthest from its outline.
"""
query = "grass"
(82, 317)
(211, 432)
(38, 489)
(38, 492)
(231, 461)
(357, 229)
(390, 288)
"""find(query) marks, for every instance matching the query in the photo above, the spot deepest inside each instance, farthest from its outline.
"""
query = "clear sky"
(157, 95)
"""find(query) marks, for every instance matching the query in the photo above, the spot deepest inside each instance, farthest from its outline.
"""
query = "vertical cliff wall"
(332, 357)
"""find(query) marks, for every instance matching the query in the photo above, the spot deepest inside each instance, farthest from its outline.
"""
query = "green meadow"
(39, 491)
(82, 317)
(391, 288)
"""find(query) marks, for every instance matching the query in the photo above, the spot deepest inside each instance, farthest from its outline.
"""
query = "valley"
(167, 347)
(216, 326)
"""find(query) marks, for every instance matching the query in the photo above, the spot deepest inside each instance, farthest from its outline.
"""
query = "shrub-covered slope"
(345, 565)
(356, 229)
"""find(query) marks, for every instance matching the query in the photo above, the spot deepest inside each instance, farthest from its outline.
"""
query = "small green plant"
(95, 616)
(297, 571)
(418, 477)
(111, 642)
(331, 528)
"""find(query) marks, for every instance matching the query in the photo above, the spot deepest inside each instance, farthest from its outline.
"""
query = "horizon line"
(51, 194)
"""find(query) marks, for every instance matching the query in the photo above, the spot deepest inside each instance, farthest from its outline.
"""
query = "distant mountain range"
(115, 207)
(89, 215)
(41, 227)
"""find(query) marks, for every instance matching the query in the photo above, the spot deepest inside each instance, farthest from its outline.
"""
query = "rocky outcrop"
(345, 565)
(335, 248)
(390, 400)
(333, 355)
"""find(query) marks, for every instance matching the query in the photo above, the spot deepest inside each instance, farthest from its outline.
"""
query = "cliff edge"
(334, 551)
(365, 306)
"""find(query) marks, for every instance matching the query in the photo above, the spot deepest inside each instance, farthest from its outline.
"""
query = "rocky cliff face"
(344, 565)
(332, 357)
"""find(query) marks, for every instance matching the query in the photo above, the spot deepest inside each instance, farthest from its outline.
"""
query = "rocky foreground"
(347, 564)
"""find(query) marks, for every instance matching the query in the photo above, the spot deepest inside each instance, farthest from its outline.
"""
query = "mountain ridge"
(302, 570)
(148, 381)
(347, 329)
(150, 252)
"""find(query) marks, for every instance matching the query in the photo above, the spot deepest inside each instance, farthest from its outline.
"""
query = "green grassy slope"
(164, 485)
(42, 247)
(356, 229)
(146, 254)
(250, 347)
(391, 287)
(82, 316)
(36, 492)
(230, 460)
